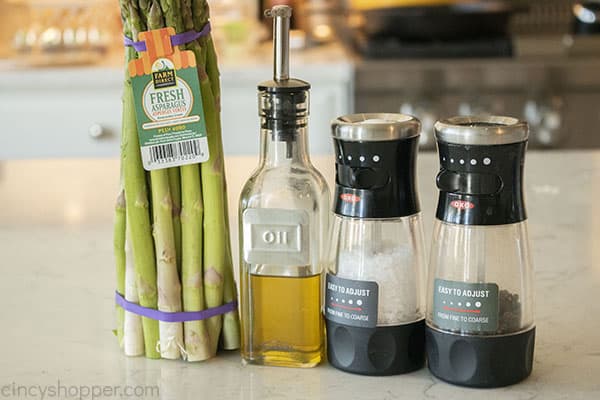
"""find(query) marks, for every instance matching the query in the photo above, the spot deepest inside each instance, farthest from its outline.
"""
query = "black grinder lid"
(375, 165)
(481, 170)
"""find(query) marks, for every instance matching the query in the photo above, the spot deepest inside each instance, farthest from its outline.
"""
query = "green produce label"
(168, 104)
(465, 307)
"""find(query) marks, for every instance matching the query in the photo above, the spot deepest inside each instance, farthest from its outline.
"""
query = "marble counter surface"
(57, 284)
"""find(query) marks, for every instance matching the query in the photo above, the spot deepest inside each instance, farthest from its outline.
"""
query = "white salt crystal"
(395, 270)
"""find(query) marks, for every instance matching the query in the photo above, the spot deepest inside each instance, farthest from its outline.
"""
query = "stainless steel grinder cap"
(375, 127)
(481, 130)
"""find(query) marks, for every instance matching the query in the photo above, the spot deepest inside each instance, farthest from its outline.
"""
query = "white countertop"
(57, 289)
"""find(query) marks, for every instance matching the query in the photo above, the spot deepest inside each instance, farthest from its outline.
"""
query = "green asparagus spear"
(197, 340)
(137, 205)
(120, 228)
(155, 15)
(214, 200)
(119, 249)
(169, 286)
(175, 188)
(171, 10)
(214, 187)
(231, 323)
(141, 230)
(135, 19)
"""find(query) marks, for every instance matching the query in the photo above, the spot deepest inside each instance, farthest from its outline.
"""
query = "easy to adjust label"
(351, 302)
(168, 103)
(465, 307)
(276, 236)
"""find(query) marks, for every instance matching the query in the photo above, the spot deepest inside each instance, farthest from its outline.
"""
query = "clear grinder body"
(374, 297)
(480, 323)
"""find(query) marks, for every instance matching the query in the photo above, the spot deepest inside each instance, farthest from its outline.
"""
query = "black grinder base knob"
(480, 361)
(387, 350)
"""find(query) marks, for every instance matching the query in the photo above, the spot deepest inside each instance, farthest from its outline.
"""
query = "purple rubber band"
(176, 40)
(174, 316)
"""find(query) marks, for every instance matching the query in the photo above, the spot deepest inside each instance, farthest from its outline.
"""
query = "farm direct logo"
(166, 96)
(163, 74)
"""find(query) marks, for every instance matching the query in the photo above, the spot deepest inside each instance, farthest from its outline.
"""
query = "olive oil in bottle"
(284, 213)
(287, 320)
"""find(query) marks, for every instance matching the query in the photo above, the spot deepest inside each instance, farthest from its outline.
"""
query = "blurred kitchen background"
(61, 68)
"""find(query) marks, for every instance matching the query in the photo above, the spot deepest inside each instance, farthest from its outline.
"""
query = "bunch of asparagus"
(172, 230)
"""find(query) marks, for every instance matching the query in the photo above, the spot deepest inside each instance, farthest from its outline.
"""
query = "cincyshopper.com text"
(60, 390)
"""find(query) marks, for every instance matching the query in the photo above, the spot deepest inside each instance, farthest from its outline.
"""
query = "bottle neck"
(284, 149)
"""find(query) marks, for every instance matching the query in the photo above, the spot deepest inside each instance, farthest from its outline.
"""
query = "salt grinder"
(480, 328)
(374, 299)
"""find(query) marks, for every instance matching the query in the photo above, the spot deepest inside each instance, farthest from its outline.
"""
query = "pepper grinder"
(374, 299)
(480, 328)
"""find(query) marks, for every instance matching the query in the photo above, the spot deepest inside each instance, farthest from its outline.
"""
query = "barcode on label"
(175, 154)
(180, 151)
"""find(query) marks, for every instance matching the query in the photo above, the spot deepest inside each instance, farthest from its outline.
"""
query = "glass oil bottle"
(284, 212)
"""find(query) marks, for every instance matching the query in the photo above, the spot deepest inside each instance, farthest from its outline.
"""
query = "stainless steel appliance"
(550, 79)
(558, 95)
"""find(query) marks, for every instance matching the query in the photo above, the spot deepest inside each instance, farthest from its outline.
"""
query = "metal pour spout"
(281, 41)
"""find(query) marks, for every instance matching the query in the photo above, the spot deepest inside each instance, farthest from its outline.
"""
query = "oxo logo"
(462, 204)
(350, 198)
